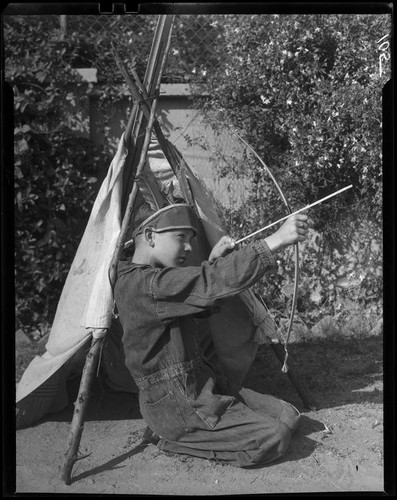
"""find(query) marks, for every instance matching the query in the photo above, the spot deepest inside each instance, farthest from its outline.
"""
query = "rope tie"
(99, 333)
(147, 99)
(284, 369)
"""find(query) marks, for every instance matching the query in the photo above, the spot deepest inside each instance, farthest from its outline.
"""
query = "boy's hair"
(142, 213)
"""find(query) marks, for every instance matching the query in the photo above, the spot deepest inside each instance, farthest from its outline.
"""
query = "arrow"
(293, 213)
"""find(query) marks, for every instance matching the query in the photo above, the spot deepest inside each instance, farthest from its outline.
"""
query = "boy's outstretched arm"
(294, 229)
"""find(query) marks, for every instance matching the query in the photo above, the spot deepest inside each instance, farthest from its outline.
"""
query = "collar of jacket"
(126, 266)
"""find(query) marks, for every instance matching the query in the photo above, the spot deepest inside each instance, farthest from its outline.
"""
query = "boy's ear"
(148, 235)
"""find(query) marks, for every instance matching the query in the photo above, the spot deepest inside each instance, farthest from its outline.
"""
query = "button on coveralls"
(179, 398)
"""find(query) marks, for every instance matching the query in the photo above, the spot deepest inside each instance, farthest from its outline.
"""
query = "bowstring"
(224, 150)
(284, 368)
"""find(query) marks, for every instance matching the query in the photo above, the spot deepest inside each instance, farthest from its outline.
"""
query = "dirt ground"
(337, 448)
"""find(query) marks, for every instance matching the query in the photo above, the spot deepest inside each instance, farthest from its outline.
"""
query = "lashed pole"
(139, 94)
(153, 73)
(175, 160)
(77, 425)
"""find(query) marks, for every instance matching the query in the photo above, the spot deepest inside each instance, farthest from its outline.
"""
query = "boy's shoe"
(150, 437)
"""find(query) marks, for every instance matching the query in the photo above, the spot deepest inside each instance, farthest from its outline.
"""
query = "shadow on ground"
(112, 464)
(336, 372)
(104, 404)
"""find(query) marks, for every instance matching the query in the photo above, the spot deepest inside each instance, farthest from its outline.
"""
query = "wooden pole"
(132, 197)
(93, 355)
(306, 397)
(77, 426)
(80, 406)
(154, 70)
(141, 96)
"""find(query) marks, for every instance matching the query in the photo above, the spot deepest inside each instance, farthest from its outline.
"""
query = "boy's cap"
(170, 218)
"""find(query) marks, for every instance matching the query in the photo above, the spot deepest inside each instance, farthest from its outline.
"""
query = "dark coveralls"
(178, 394)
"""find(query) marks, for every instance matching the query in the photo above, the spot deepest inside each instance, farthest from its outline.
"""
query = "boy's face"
(171, 248)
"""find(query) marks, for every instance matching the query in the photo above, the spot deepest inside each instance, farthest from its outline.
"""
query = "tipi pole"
(295, 379)
(152, 78)
(175, 160)
(80, 406)
(93, 354)
(140, 94)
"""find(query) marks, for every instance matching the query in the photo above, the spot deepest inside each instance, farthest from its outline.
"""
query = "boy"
(160, 300)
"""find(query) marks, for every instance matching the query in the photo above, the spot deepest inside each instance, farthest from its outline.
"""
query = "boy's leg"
(243, 436)
(269, 405)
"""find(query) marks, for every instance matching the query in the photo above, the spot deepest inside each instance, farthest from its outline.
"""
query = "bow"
(284, 369)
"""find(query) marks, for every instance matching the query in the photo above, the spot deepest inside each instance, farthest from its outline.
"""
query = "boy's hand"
(224, 246)
(294, 229)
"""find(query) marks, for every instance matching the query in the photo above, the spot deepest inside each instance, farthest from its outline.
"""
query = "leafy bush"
(305, 92)
(57, 168)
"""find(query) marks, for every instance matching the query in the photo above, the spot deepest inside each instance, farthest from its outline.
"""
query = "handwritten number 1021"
(385, 55)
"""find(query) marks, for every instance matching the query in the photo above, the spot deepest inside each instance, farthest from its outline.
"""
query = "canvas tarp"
(86, 301)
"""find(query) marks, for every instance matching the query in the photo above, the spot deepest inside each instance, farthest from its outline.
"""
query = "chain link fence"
(193, 49)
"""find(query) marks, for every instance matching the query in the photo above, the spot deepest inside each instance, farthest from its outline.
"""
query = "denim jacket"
(159, 309)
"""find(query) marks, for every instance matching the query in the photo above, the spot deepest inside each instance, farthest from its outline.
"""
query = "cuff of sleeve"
(266, 255)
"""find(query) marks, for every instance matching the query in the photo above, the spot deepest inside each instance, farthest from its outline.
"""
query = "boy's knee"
(280, 444)
(284, 440)
(271, 449)
(290, 416)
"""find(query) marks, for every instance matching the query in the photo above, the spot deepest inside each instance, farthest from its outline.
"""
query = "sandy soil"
(338, 448)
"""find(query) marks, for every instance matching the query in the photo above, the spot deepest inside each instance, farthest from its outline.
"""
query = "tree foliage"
(306, 92)
(56, 165)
